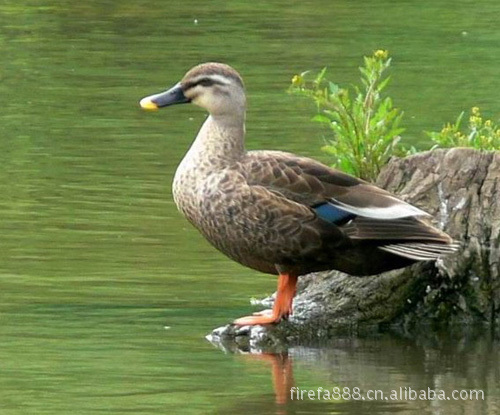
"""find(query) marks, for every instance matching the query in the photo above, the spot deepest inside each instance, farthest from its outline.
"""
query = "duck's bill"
(172, 96)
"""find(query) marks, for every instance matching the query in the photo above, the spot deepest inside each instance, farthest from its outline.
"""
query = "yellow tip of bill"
(147, 104)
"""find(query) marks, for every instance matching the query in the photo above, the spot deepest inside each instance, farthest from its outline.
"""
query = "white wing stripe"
(398, 210)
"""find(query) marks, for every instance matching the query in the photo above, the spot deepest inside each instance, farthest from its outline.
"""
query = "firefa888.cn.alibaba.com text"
(405, 393)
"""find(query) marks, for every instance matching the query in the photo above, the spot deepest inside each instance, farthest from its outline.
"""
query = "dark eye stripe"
(206, 82)
(202, 82)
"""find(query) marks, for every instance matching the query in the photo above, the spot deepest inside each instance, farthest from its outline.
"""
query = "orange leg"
(282, 304)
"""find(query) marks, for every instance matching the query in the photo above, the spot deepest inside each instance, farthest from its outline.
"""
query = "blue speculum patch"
(333, 214)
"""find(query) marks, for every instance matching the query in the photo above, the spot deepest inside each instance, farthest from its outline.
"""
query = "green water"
(106, 293)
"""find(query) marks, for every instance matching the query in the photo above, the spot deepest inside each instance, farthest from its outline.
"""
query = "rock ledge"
(460, 188)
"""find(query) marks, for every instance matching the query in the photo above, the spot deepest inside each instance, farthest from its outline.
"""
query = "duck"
(280, 213)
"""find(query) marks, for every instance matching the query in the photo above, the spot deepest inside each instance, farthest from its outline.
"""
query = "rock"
(460, 188)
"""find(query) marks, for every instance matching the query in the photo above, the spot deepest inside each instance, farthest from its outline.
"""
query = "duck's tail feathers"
(421, 251)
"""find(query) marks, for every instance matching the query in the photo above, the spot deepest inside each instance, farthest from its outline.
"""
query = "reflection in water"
(399, 368)
(281, 368)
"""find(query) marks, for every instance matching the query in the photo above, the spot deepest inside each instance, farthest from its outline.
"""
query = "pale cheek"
(201, 100)
(211, 103)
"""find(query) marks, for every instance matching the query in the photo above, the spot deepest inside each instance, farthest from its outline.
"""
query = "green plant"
(365, 124)
(479, 133)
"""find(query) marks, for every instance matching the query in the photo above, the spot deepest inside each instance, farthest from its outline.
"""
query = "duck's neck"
(221, 140)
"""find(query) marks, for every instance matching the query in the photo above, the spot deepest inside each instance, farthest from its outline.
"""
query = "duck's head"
(214, 86)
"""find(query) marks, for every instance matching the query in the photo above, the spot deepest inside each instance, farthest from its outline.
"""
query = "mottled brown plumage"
(283, 214)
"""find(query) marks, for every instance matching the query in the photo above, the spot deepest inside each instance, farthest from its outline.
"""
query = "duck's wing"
(364, 211)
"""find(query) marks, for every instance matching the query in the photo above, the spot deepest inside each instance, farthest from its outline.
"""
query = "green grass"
(364, 126)
(478, 133)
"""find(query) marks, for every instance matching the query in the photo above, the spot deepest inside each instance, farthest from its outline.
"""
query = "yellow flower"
(488, 123)
(381, 54)
(475, 111)
(474, 119)
(297, 80)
